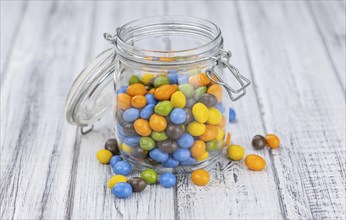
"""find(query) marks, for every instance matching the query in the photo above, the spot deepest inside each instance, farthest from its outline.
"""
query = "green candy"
(161, 80)
(149, 176)
(159, 136)
(134, 79)
(199, 92)
(163, 108)
(211, 145)
(186, 89)
(146, 143)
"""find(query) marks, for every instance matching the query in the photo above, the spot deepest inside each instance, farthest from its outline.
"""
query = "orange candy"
(216, 90)
(198, 148)
(157, 122)
(223, 122)
(123, 101)
(152, 91)
(165, 92)
(255, 162)
(136, 89)
(138, 101)
(210, 133)
(199, 80)
(200, 177)
(228, 139)
(142, 127)
(272, 141)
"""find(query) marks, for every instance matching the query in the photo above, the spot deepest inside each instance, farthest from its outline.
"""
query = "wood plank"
(234, 192)
(302, 102)
(330, 20)
(37, 146)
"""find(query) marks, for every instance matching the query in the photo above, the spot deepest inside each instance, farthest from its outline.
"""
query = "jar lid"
(92, 93)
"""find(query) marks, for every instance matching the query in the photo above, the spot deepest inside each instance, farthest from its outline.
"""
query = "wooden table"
(294, 54)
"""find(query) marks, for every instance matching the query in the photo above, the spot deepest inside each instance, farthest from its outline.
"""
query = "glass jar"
(170, 98)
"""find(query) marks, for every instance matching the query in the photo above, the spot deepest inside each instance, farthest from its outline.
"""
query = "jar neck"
(168, 40)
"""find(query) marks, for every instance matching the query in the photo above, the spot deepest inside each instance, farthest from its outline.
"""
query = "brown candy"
(174, 131)
(168, 146)
(112, 146)
(138, 184)
(208, 99)
(129, 129)
(258, 142)
(139, 153)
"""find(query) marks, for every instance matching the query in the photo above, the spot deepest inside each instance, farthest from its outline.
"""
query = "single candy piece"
(174, 131)
(200, 112)
(228, 139)
(232, 115)
(210, 133)
(220, 134)
(258, 142)
(125, 149)
(104, 156)
(188, 162)
(170, 163)
(129, 129)
(138, 153)
(132, 141)
(189, 116)
(122, 190)
(190, 102)
(138, 184)
(150, 99)
(165, 92)
(208, 99)
(147, 111)
(211, 145)
(134, 79)
(272, 141)
(173, 77)
(123, 101)
(159, 136)
(235, 152)
(146, 78)
(200, 177)
(185, 141)
(220, 107)
(199, 80)
(136, 89)
(168, 146)
(181, 154)
(255, 162)
(138, 101)
(142, 127)
(121, 90)
(198, 148)
(163, 108)
(204, 156)
(149, 176)
(119, 116)
(157, 122)
(115, 180)
(215, 90)
(122, 167)
(186, 89)
(199, 92)
(196, 128)
(161, 80)
(183, 79)
(115, 159)
(131, 114)
(167, 180)
(178, 116)
(215, 116)
(112, 145)
(146, 143)
(178, 99)
(158, 155)
(222, 124)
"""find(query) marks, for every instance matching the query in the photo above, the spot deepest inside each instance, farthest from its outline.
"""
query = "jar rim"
(166, 24)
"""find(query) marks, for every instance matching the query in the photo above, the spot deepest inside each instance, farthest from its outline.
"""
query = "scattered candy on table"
(272, 141)
(138, 184)
(235, 152)
(149, 176)
(167, 180)
(104, 156)
(255, 162)
(115, 180)
(200, 177)
(122, 190)
(258, 142)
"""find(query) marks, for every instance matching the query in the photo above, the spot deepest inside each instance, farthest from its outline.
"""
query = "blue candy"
(181, 154)
(131, 114)
(158, 155)
(183, 79)
(178, 116)
(122, 190)
(122, 90)
(147, 111)
(173, 77)
(220, 107)
(120, 131)
(132, 141)
(188, 162)
(231, 115)
(167, 180)
(150, 99)
(122, 168)
(115, 159)
(185, 140)
(170, 163)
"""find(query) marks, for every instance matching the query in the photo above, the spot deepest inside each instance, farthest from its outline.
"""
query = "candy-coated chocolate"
(211, 132)
(167, 180)
(159, 136)
(215, 90)
(122, 168)
(161, 80)
(150, 99)
(204, 156)
(165, 92)
(186, 89)
(158, 155)
(174, 131)
(132, 141)
(129, 129)
(173, 77)
(199, 80)
(113, 146)
(220, 107)
(198, 148)
(104, 156)
(185, 141)
(200, 177)
(178, 99)
(149, 176)
(142, 127)
(211, 145)
(147, 111)
(188, 162)
(235, 152)
(136, 89)
(119, 116)
(208, 99)
(163, 108)
(138, 184)
(116, 179)
(146, 143)
(183, 79)
(228, 139)
(255, 162)
(157, 122)
(189, 116)
(170, 163)
(232, 115)
(200, 112)
(138, 153)
(196, 128)
(115, 159)
(134, 79)
(272, 141)
(215, 116)
(178, 116)
(123, 101)
(181, 154)
(258, 142)
(168, 146)
(146, 78)
(122, 190)
(138, 101)
(199, 92)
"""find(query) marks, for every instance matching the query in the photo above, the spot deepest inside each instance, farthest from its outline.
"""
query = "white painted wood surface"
(294, 53)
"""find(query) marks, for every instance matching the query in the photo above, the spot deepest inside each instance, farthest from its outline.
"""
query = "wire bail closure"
(222, 61)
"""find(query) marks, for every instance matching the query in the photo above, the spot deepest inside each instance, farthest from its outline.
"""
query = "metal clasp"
(222, 62)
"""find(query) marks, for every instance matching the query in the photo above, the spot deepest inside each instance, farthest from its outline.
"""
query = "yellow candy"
(235, 152)
(215, 116)
(196, 129)
(104, 156)
(178, 99)
(146, 78)
(200, 112)
(204, 156)
(116, 179)
(126, 148)
(220, 134)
